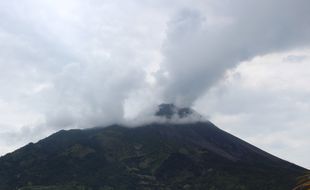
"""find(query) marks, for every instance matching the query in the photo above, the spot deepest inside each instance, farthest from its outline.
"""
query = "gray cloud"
(198, 50)
(75, 65)
(78, 66)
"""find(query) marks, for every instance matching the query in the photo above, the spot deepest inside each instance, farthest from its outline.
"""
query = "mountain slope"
(155, 156)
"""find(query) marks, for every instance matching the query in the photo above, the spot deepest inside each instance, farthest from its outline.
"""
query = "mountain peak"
(171, 111)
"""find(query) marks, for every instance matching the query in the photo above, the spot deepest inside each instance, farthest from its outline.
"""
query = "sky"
(242, 64)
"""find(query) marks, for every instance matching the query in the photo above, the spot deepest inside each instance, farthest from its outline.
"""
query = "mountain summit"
(172, 112)
(157, 156)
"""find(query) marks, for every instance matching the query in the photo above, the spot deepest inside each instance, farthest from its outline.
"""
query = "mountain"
(156, 156)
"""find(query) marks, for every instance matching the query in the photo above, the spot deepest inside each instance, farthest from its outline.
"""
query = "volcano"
(156, 156)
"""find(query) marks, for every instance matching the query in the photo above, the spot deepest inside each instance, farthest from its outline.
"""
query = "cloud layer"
(200, 48)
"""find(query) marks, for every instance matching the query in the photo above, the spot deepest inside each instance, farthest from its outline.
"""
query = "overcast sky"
(243, 64)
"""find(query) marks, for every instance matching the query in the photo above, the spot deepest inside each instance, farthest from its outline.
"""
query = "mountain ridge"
(163, 156)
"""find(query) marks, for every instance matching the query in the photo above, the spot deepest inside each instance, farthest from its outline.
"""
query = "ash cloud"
(199, 49)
